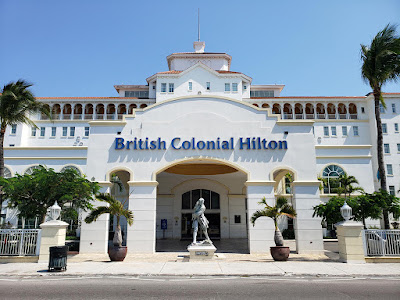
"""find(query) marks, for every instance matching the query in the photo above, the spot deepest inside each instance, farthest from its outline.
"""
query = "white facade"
(208, 131)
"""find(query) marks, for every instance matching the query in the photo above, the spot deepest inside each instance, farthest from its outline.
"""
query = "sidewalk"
(177, 264)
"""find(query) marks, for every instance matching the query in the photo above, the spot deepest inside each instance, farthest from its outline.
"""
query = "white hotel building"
(200, 129)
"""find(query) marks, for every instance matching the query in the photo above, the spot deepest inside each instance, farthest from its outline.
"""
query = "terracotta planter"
(117, 253)
(280, 253)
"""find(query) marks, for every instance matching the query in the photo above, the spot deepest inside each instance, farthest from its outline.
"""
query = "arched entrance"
(222, 186)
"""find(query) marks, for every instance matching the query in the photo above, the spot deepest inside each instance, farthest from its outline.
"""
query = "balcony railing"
(298, 116)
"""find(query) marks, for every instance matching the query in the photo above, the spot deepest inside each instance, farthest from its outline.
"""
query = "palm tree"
(381, 64)
(282, 208)
(346, 185)
(114, 208)
(16, 103)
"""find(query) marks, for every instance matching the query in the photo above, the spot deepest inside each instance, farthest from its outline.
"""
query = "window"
(363, 110)
(171, 88)
(227, 87)
(138, 94)
(65, 131)
(30, 170)
(398, 147)
(333, 129)
(154, 87)
(72, 168)
(393, 107)
(344, 130)
(326, 131)
(33, 131)
(87, 131)
(355, 130)
(330, 177)
(72, 131)
(7, 172)
(392, 190)
(396, 127)
(262, 94)
(42, 131)
(190, 87)
(234, 87)
(14, 129)
(53, 131)
(211, 199)
(384, 127)
(163, 87)
(381, 108)
(245, 87)
(208, 86)
(389, 169)
(386, 148)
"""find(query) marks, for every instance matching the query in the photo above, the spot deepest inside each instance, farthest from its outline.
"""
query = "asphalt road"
(112, 287)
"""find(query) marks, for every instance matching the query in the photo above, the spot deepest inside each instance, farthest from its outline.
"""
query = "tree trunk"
(278, 238)
(381, 163)
(117, 240)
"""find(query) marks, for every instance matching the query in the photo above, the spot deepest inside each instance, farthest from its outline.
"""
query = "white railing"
(381, 242)
(19, 242)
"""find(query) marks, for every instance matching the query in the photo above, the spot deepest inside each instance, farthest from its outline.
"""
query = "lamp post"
(346, 211)
(55, 211)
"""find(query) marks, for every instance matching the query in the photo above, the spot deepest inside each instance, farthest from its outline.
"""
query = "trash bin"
(58, 258)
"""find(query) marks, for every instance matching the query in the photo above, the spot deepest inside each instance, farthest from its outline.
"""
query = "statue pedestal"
(201, 252)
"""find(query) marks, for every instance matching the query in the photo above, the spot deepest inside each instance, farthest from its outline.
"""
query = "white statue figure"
(199, 219)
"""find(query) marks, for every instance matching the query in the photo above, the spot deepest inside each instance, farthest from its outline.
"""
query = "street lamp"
(55, 211)
(346, 211)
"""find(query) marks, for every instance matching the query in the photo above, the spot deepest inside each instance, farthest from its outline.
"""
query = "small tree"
(114, 208)
(33, 194)
(346, 185)
(330, 211)
(282, 208)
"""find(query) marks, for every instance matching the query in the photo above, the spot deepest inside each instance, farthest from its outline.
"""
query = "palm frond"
(96, 213)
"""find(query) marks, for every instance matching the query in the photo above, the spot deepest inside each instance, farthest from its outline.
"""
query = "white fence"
(20, 242)
(381, 242)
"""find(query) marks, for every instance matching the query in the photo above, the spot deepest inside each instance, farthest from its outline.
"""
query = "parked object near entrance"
(281, 208)
(116, 208)
(204, 249)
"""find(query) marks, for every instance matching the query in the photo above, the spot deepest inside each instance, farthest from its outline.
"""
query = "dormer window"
(208, 86)
(163, 87)
(227, 87)
(171, 88)
(234, 87)
(190, 87)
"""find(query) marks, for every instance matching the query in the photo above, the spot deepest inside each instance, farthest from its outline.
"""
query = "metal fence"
(19, 242)
(381, 242)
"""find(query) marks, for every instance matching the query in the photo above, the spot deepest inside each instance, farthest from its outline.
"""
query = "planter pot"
(280, 253)
(117, 253)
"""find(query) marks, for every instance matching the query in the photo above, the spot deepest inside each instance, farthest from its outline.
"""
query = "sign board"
(164, 224)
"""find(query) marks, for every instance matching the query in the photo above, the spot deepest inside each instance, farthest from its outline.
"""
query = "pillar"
(261, 235)
(308, 230)
(52, 234)
(142, 202)
(349, 234)
(94, 236)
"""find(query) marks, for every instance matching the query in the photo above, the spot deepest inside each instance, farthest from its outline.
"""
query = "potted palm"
(115, 208)
(281, 208)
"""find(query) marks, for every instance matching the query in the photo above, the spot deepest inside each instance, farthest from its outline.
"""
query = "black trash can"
(58, 258)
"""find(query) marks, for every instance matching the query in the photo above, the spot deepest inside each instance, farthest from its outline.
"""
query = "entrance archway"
(222, 186)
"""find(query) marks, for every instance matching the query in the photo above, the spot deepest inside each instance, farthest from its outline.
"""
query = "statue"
(199, 219)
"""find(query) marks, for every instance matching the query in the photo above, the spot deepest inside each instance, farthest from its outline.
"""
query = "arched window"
(211, 199)
(73, 168)
(7, 173)
(330, 175)
(30, 170)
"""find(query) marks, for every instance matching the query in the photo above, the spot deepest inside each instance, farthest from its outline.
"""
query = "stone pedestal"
(349, 234)
(53, 234)
(201, 252)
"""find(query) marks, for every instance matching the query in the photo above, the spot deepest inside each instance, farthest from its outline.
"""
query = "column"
(326, 110)
(94, 236)
(350, 241)
(308, 230)
(315, 110)
(53, 234)
(72, 111)
(105, 112)
(303, 106)
(336, 111)
(62, 111)
(347, 111)
(142, 201)
(261, 235)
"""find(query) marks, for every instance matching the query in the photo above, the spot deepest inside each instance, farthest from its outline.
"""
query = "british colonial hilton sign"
(177, 143)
